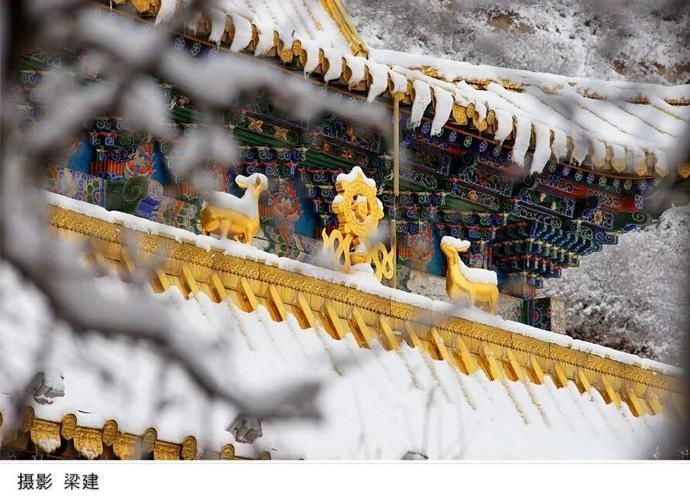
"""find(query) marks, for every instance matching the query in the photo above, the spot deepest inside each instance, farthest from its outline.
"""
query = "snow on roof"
(322, 24)
(621, 127)
(615, 126)
(375, 404)
(365, 284)
(612, 126)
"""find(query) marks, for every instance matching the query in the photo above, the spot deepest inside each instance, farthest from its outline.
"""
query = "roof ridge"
(339, 15)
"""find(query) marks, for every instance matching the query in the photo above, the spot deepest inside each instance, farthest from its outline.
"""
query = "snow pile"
(375, 404)
(457, 43)
(633, 296)
(355, 173)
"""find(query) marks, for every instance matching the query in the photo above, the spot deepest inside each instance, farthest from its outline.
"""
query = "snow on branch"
(123, 61)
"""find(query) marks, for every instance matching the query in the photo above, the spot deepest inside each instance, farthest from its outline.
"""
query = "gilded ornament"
(146, 6)
(189, 448)
(127, 446)
(148, 440)
(110, 432)
(359, 212)
(281, 134)
(166, 451)
(384, 262)
(227, 452)
(459, 284)
(256, 125)
(45, 435)
(28, 417)
(88, 442)
(69, 426)
(234, 216)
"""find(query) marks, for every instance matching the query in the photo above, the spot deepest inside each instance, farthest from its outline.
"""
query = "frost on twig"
(246, 429)
(121, 65)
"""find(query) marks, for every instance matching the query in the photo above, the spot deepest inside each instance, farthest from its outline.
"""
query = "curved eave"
(105, 442)
(469, 340)
(481, 104)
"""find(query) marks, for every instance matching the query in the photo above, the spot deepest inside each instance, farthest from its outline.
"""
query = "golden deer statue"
(462, 282)
(234, 216)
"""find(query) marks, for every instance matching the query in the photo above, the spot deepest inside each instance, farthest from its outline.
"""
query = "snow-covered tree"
(633, 296)
(640, 40)
(630, 296)
(122, 62)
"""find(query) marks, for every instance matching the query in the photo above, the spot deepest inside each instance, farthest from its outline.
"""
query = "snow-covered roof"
(414, 396)
(618, 127)
(265, 24)
(369, 285)
(622, 127)
(376, 404)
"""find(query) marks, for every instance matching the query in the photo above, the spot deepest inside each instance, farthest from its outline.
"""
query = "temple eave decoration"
(466, 345)
(464, 342)
(487, 185)
(40, 438)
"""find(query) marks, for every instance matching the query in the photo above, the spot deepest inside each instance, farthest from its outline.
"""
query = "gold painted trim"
(338, 13)
(337, 308)
(92, 442)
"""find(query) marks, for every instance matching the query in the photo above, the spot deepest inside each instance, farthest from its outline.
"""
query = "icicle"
(217, 26)
(193, 22)
(661, 165)
(639, 161)
(598, 153)
(442, 108)
(505, 124)
(243, 33)
(523, 132)
(312, 50)
(166, 11)
(462, 100)
(422, 98)
(356, 66)
(399, 82)
(265, 43)
(379, 80)
(335, 63)
(580, 148)
(481, 110)
(542, 148)
(618, 160)
(559, 147)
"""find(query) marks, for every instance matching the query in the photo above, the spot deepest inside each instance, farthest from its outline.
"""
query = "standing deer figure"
(462, 282)
(235, 216)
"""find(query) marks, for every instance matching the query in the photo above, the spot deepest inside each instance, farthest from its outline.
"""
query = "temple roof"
(413, 390)
(324, 23)
(624, 128)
